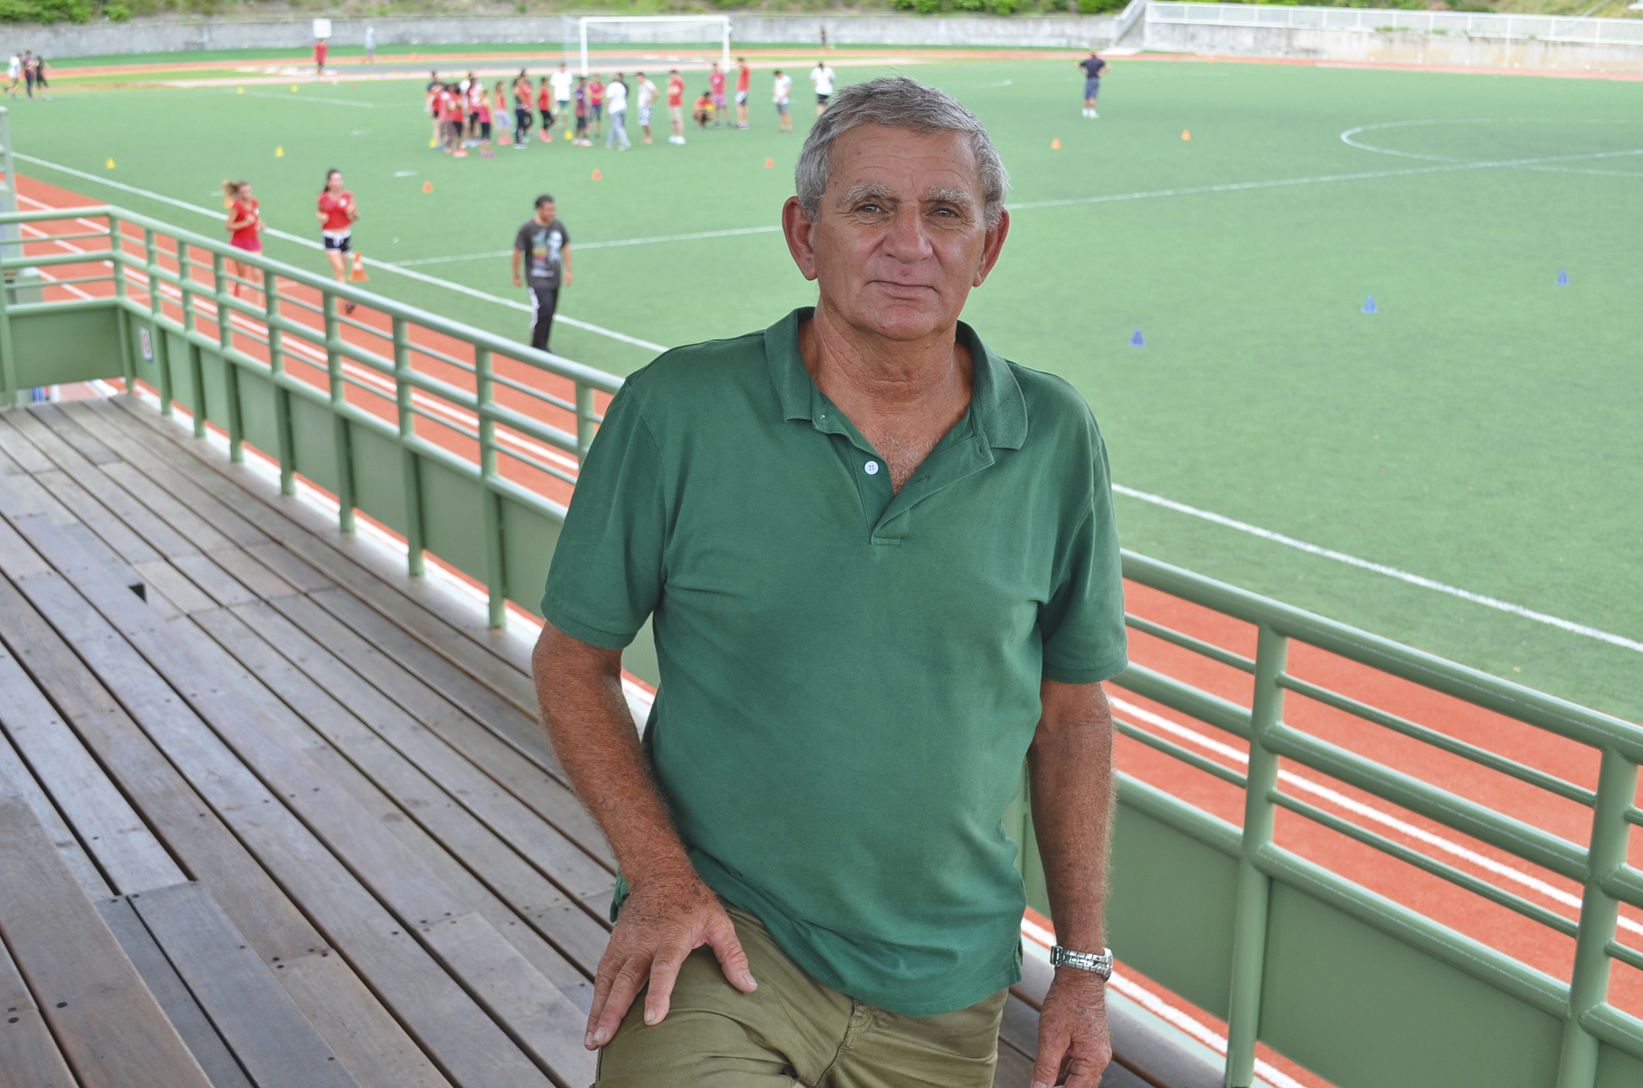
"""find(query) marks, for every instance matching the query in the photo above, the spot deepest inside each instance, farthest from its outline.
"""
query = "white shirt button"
(871, 468)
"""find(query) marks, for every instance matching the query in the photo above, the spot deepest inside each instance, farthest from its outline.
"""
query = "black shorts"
(821, 99)
(344, 244)
(547, 118)
(484, 130)
(521, 118)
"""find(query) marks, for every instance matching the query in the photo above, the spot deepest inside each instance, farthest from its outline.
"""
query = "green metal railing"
(459, 439)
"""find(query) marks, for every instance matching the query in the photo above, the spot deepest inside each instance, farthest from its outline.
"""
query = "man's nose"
(909, 237)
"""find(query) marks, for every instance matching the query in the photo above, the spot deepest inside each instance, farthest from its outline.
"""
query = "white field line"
(1381, 568)
(1367, 812)
(454, 413)
(1363, 564)
(409, 273)
(609, 244)
(1039, 941)
(309, 98)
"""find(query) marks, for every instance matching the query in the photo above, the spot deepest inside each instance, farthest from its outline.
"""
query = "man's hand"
(517, 282)
(568, 277)
(1073, 1045)
(662, 921)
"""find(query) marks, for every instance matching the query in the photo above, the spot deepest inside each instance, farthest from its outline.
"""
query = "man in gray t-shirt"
(545, 246)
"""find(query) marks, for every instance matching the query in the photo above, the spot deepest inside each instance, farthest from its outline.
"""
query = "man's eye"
(869, 207)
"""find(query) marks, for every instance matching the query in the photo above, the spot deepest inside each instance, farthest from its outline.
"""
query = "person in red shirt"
(450, 104)
(596, 106)
(502, 113)
(483, 112)
(521, 110)
(744, 84)
(320, 47)
(676, 105)
(544, 106)
(337, 213)
(716, 92)
(244, 226)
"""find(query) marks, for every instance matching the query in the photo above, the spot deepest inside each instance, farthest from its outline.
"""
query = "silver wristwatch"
(1097, 963)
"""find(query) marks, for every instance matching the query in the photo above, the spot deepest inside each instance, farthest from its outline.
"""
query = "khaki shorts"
(793, 1031)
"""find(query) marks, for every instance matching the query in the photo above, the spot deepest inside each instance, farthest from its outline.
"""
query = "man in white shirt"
(781, 93)
(616, 103)
(646, 92)
(561, 94)
(821, 77)
(14, 74)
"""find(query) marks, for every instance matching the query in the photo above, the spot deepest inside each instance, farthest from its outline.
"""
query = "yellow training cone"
(293, 88)
(239, 90)
(432, 142)
(279, 152)
(1055, 144)
(109, 165)
(1186, 134)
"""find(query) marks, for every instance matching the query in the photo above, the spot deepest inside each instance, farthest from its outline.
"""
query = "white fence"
(1546, 28)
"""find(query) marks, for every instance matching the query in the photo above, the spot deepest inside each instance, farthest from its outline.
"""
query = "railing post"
(276, 375)
(495, 562)
(196, 371)
(410, 465)
(339, 418)
(584, 419)
(1599, 912)
(158, 338)
(11, 393)
(1254, 889)
(230, 370)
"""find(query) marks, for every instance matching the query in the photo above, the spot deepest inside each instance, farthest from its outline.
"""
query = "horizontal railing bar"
(424, 351)
(1427, 735)
(366, 387)
(1620, 1030)
(76, 236)
(21, 309)
(301, 304)
(70, 281)
(1634, 815)
(533, 392)
(357, 324)
(1188, 642)
(1458, 813)
(444, 390)
(534, 428)
(1180, 752)
(364, 357)
(48, 260)
(1515, 903)
(1631, 957)
(1625, 884)
(520, 456)
(1224, 714)
(448, 424)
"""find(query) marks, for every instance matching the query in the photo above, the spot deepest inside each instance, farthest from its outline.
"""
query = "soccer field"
(1459, 470)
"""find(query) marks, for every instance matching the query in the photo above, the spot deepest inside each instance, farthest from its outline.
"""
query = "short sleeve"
(522, 241)
(564, 235)
(1082, 623)
(606, 575)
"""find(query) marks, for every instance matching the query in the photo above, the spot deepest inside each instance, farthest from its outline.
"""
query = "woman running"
(244, 226)
(336, 213)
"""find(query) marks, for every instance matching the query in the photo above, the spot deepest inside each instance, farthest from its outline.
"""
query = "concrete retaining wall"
(1398, 46)
(172, 36)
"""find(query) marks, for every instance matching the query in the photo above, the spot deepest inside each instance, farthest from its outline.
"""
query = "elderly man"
(883, 571)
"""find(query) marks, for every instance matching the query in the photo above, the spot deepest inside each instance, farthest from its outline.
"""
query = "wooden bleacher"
(271, 811)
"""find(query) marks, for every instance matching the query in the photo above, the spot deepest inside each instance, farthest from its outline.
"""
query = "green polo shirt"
(849, 677)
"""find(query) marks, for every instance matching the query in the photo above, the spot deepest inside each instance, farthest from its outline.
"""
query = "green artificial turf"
(1480, 430)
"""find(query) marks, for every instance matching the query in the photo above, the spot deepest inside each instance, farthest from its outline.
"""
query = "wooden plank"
(427, 1000)
(456, 722)
(219, 585)
(204, 536)
(22, 495)
(29, 1057)
(120, 538)
(477, 822)
(86, 444)
(373, 1045)
(169, 990)
(101, 817)
(109, 1026)
(18, 448)
(297, 572)
(163, 580)
(260, 582)
(264, 1028)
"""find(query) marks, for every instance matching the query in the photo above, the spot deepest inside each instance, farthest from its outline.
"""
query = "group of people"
(336, 211)
(28, 72)
(466, 115)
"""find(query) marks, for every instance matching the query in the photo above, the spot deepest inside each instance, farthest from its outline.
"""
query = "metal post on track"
(1254, 888)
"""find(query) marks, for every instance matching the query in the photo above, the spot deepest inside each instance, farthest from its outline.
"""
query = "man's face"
(544, 213)
(900, 237)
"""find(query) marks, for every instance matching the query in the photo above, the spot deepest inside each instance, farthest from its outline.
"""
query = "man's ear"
(797, 229)
(992, 247)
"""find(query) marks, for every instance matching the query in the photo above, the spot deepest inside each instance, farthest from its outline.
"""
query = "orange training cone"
(769, 164)
(597, 176)
(356, 274)
(1055, 144)
(1186, 134)
(427, 186)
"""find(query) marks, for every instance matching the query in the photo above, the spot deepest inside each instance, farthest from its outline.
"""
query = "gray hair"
(897, 102)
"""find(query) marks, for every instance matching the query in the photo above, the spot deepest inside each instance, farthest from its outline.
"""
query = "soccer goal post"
(651, 35)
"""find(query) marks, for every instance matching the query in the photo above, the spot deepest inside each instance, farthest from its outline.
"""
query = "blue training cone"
(1563, 277)
(1369, 305)
(1138, 341)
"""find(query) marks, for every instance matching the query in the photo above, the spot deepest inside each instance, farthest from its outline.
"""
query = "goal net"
(654, 41)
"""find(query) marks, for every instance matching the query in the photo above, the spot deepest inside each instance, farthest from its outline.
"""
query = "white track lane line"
(1381, 568)
(1367, 812)
(1362, 564)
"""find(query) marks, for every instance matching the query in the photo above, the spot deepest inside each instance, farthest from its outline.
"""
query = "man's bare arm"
(1070, 770)
(669, 911)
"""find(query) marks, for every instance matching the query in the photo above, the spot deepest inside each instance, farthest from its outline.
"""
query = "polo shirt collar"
(997, 405)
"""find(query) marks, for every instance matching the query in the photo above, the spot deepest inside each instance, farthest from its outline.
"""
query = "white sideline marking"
(1266, 534)
(1367, 812)
(611, 244)
(309, 98)
(485, 296)
(1381, 568)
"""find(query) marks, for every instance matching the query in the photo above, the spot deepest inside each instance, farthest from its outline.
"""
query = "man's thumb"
(732, 960)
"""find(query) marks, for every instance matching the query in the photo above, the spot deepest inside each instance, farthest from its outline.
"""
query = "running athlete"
(544, 106)
(244, 226)
(676, 106)
(337, 212)
(521, 110)
(716, 92)
(545, 246)
(744, 83)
